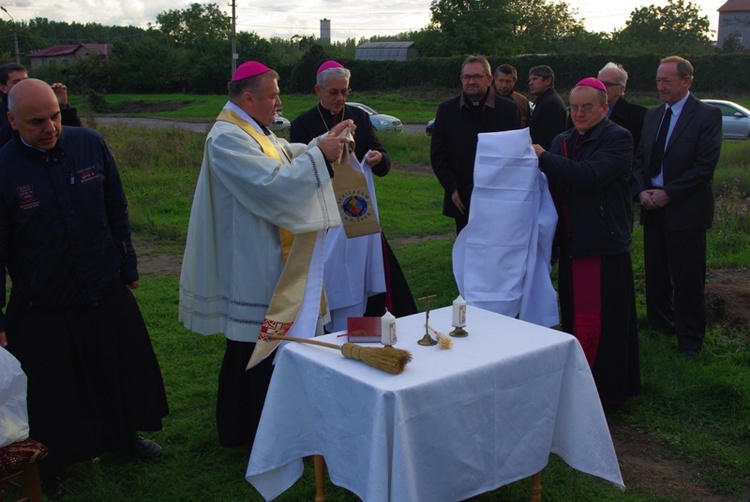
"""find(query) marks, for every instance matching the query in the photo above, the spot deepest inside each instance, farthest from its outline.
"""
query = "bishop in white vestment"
(256, 194)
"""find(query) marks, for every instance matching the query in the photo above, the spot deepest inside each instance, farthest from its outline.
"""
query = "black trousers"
(675, 263)
(241, 394)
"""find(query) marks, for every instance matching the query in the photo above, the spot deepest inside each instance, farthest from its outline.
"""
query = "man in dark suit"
(621, 111)
(549, 116)
(454, 139)
(673, 179)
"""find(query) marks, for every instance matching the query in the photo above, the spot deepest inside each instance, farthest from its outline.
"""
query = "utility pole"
(234, 36)
(15, 36)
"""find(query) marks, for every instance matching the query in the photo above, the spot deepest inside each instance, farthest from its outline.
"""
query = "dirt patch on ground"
(152, 262)
(154, 107)
(648, 465)
(728, 298)
(412, 168)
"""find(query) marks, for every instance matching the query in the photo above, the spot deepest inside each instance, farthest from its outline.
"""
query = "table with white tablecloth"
(454, 424)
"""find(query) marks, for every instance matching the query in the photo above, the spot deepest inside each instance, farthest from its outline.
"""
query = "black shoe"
(53, 489)
(138, 446)
(689, 354)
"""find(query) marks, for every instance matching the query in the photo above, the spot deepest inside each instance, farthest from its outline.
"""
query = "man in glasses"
(372, 266)
(454, 139)
(621, 111)
(591, 166)
(332, 88)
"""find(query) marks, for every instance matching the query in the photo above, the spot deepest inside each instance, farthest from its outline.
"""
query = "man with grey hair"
(591, 166)
(454, 139)
(332, 88)
(621, 111)
(506, 77)
(549, 115)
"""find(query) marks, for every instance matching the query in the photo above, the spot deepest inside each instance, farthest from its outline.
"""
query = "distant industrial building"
(325, 31)
(386, 51)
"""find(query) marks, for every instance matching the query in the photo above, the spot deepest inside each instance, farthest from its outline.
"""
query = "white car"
(735, 118)
(380, 121)
(280, 124)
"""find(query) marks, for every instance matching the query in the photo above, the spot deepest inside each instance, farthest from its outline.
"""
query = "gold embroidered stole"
(297, 252)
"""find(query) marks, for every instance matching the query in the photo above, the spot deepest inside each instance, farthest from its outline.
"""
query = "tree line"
(188, 50)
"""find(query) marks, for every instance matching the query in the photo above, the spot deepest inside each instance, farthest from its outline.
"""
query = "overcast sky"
(286, 18)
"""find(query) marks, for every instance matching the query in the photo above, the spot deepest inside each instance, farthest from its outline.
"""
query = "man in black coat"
(549, 115)
(71, 319)
(673, 179)
(621, 111)
(591, 166)
(454, 139)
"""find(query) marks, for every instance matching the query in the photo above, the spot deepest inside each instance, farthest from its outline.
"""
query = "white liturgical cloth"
(501, 259)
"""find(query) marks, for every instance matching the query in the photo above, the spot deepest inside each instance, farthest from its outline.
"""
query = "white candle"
(459, 312)
(387, 329)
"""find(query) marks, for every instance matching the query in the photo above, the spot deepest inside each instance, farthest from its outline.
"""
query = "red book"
(363, 329)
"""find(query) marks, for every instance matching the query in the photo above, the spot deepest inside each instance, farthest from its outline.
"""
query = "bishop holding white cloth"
(253, 257)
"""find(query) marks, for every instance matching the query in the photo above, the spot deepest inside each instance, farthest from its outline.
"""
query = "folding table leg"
(320, 478)
(536, 488)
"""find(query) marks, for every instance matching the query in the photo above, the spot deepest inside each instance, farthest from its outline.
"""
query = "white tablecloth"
(456, 423)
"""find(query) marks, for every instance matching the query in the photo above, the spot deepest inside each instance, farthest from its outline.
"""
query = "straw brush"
(387, 359)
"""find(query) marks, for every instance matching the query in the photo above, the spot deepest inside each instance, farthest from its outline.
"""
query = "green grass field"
(409, 106)
(700, 411)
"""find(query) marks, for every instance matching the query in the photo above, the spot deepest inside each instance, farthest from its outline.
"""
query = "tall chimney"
(325, 31)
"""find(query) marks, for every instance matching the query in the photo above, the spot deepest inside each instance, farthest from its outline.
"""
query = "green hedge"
(728, 73)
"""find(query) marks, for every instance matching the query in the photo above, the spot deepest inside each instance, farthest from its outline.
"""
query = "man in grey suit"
(673, 179)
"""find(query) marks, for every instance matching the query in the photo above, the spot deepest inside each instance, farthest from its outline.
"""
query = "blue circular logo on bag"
(355, 206)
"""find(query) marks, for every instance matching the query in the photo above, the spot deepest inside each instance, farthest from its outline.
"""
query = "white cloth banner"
(501, 259)
(353, 269)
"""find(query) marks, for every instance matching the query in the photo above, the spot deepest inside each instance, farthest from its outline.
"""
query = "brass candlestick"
(459, 333)
(427, 340)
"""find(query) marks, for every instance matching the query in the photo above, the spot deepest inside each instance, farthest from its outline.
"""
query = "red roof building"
(60, 53)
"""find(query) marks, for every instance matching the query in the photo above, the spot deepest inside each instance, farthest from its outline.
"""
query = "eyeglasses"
(335, 92)
(585, 108)
(611, 84)
(475, 78)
